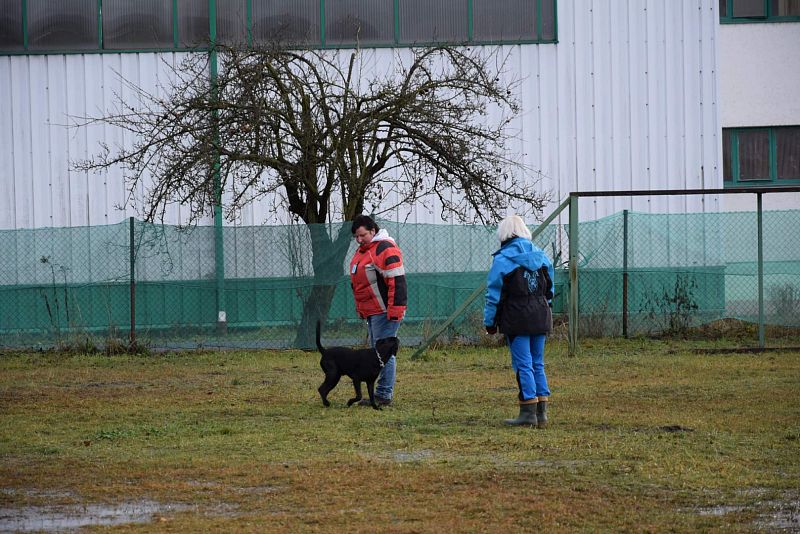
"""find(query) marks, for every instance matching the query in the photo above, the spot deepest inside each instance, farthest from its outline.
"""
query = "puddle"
(720, 510)
(69, 517)
(780, 516)
(783, 516)
(413, 456)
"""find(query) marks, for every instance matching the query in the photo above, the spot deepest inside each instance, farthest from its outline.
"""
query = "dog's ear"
(388, 345)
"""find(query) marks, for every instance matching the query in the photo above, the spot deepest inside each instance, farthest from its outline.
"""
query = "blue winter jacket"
(514, 253)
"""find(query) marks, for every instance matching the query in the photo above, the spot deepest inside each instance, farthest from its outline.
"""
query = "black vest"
(524, 308)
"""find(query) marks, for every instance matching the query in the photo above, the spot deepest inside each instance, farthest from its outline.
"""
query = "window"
(59, 26)
(192, 23)
(140, 24)
(286, 21)
(785, 8)
(496, 20)
(742, 11)
(359, 21)
(761, 156)
(423, 21)
(68, 24)
(232, 22)
(11, 30)
(787, 153)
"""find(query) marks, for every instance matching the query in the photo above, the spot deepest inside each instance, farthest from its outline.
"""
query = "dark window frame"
(545, 33)
(732, 151)
(730, 16)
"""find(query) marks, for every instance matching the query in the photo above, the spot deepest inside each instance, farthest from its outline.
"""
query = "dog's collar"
(380, 361)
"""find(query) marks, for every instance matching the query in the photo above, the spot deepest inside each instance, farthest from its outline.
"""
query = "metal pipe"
(573, 275)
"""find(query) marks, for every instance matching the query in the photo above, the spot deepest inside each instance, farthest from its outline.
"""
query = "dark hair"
(365, 221)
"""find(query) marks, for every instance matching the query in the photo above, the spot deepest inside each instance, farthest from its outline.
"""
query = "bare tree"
(310, 128)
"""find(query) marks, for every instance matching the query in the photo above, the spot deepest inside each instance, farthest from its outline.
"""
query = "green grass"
(644, 436)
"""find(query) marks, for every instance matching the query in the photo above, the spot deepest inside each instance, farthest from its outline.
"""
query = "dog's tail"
(319, 341)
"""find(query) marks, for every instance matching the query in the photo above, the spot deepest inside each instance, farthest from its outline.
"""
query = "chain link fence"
(701, 274)
(638, 274)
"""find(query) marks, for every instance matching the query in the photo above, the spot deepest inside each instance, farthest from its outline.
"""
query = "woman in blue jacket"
(519, 291)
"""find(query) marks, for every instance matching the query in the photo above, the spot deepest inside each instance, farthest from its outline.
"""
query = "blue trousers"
(379, 327)
(527, 360)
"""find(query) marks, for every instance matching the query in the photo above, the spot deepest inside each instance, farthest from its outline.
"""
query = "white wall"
(627, 99)
(759, 74)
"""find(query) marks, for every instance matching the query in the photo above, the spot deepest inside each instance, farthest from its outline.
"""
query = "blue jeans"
(527, 360)
(379, 327)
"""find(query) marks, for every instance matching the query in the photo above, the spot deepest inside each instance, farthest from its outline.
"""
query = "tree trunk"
(328, 260)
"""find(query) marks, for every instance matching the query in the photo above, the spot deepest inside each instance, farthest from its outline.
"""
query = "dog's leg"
(357, 387)
(330, 382)
(371, 391)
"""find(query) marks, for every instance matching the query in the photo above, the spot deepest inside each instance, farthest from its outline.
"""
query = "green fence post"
(573, 275)
(132, 248)
(760, 225)
(625, 273)
(219, 255)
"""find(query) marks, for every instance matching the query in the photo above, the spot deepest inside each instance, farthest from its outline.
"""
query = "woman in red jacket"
(378, 280)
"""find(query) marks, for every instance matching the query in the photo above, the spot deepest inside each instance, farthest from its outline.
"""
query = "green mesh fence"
(686, 270)
(73, 285)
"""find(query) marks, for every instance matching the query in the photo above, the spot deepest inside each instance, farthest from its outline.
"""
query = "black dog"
(361, 365)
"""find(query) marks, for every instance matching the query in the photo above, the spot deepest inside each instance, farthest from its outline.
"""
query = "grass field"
(644, 436)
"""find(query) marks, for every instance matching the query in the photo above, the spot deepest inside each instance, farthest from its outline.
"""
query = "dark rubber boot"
(541, 414)
(527, 415)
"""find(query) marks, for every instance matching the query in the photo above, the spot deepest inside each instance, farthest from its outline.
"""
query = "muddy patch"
(778, 515)
(782, 516)
(59, 518)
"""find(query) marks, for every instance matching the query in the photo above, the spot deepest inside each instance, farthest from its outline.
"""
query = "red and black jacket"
(378, 279)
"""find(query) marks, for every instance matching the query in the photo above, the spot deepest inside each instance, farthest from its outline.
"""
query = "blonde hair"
(512, 226)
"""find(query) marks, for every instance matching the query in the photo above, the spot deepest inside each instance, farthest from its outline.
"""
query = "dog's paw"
(326, 403)
(377, 407)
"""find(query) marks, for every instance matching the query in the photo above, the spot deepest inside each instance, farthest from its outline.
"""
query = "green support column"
(219, 255)
(132, 253)
(625, 273)
(573, 275)
(760, 225)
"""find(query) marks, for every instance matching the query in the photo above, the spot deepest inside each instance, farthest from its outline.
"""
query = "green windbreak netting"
(686, 270)
(74, 285)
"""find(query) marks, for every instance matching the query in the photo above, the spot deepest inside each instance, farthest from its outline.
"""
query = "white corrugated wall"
(627, 99)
